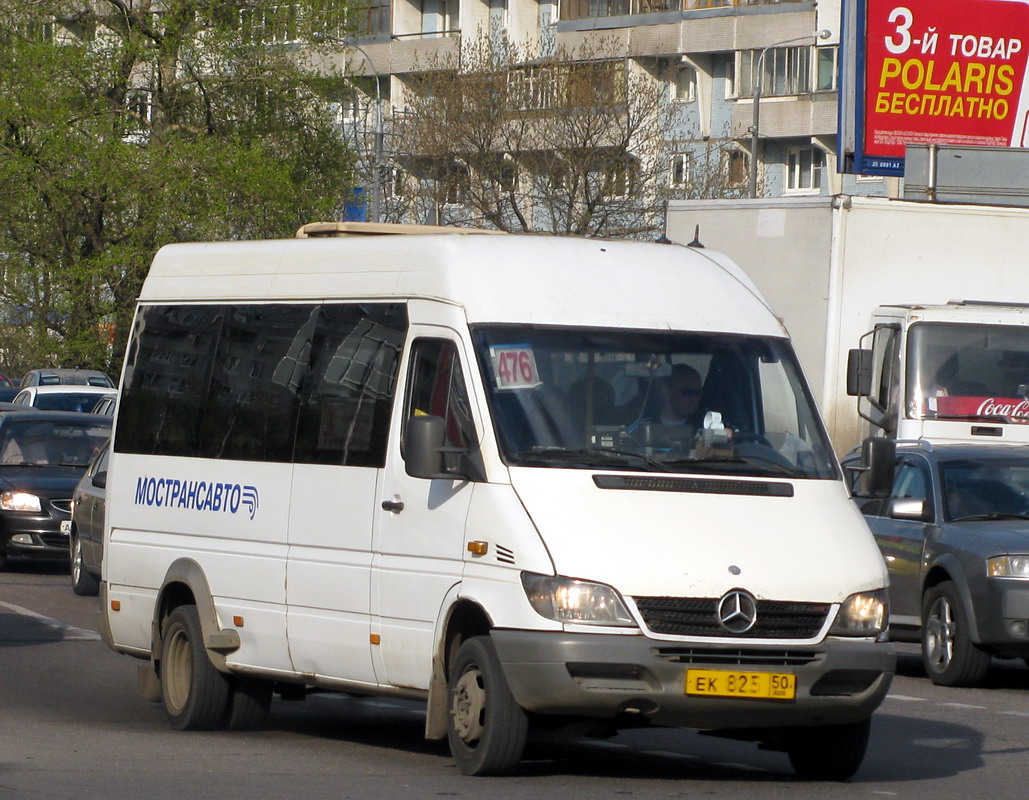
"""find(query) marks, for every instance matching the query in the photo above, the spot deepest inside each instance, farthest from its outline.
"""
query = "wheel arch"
(464, 619)
(185, 583)
(948, 568)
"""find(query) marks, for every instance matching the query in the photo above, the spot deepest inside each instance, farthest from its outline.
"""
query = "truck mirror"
(859, 373)
(878, 461)
(424, 442)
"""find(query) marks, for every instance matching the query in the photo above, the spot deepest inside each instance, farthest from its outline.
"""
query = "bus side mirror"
(424, 443)
(878, 462)
(859, 373)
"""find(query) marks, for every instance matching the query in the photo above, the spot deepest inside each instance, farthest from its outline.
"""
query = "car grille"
(54, 539)
(62, 505)
(698, 616)
(739, 657)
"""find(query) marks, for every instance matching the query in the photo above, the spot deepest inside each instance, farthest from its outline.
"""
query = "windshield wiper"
(766, 464)
(991, 516)
(602, 456)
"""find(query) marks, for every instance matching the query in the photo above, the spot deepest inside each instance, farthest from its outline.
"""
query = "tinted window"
(262, 382)
(49, 442)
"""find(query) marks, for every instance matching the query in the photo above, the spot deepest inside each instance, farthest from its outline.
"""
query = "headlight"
(567, 600)
(862, 614)
(19, 501)
(1008, 567)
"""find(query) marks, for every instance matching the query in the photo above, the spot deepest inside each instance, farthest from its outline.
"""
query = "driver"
(680, 397)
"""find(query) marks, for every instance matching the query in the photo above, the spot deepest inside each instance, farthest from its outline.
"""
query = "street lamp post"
(755, 126)
(377, 142)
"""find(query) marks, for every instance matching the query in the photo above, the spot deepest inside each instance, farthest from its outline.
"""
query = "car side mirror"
(859, 373)
(100, 480)
(907, 508)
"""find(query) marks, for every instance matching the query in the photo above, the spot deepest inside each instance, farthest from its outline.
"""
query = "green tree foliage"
(127, 124)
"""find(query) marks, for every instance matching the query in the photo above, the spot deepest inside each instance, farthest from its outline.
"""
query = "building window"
(680, 171)
(735, 167)
(686, 84)
(825, 70)
(804, 167)
(439, 16)
(373, 17)
(785, 71)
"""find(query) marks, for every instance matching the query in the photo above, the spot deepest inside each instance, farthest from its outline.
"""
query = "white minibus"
(538, 483)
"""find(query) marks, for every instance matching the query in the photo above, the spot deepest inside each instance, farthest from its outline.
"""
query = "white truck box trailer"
(838, 267)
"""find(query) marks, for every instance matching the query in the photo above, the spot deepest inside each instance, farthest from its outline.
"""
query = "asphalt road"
(72, 725)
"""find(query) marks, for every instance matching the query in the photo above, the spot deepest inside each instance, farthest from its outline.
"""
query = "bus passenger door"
(419, 538)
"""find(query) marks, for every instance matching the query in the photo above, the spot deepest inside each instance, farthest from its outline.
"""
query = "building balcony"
(787, 117)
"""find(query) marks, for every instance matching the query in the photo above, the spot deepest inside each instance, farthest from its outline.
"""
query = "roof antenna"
(696, 240)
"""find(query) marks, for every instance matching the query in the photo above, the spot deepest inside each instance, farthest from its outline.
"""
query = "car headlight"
(1008, 566)
(19, 501)
(580, 602)
(862, 614)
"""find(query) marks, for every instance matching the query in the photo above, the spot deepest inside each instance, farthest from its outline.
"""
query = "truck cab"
(954, 372)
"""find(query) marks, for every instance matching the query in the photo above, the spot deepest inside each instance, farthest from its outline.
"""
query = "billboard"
(947, 72)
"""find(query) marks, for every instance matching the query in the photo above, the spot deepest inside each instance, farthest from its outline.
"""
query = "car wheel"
(828, 752)
(486, 728)
(83, 582)
(3, 561)
(196, 696)
(948, 653)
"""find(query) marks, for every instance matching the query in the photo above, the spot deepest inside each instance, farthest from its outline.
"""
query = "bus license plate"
(726, 683)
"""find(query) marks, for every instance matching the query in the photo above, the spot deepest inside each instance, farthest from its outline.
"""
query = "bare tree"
(571, 143)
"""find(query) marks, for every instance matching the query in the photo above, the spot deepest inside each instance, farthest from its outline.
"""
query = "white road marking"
(906, 697)
(70, 632)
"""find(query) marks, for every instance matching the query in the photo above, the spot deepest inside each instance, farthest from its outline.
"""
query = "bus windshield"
(650, 401)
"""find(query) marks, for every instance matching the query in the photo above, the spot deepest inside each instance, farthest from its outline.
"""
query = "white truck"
(934, 295)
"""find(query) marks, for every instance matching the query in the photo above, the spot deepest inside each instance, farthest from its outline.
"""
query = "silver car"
(955, 537)
(86, 526)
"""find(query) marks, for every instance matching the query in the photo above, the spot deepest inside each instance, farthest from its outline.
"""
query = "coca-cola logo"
(991, 407)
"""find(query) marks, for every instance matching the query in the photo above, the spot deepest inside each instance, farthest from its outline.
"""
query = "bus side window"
(436, 387)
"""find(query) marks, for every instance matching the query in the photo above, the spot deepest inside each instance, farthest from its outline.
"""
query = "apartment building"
(705, 53)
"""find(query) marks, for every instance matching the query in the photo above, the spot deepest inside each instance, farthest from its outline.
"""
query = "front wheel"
(196, 696)
(828, 752)
(486, 728)
(83, 582)
(948, 653)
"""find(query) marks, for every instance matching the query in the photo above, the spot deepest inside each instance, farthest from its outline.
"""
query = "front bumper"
(1002, 617)
(36, 535)
(610, 676)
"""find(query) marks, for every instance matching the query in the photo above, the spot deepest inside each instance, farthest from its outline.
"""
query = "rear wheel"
(948, 653)
(196, 696)
(83, 582)
(486, 728)
(828, 752)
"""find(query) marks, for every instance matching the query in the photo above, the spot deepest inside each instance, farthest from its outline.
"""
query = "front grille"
(62, 505)
(698, 616)
(54, 539)
(738, 657)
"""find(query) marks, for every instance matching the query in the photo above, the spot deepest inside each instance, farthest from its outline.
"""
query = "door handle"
(395, 506)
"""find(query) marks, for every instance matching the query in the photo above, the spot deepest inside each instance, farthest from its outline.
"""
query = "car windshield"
(650, 401)
(975, 489)
(52, 442)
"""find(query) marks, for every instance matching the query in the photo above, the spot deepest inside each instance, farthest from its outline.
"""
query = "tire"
(83, 582)
(3, 561)
(828, 752)
(250, 702)
(196, 696)
(486, 728)
(948, 653)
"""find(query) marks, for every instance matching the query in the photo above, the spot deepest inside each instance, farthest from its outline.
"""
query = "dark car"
(86, 527)
(43, 454)
(955, 537)
(80, 377)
